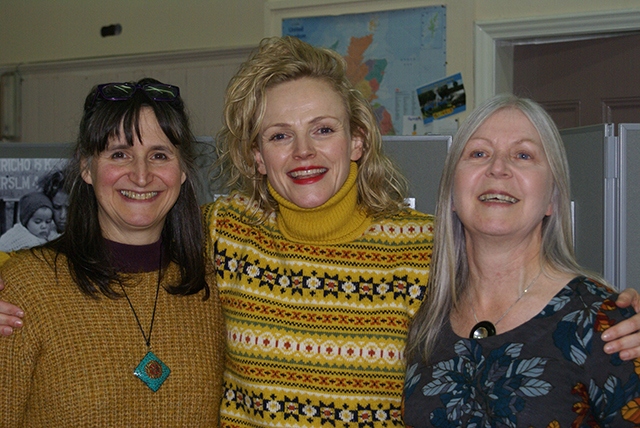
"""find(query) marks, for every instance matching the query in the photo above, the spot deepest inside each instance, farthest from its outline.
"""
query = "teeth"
(139, 196)
(497, 197)
(306, 173)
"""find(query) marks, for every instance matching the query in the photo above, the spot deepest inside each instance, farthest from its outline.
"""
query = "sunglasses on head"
(124, 91)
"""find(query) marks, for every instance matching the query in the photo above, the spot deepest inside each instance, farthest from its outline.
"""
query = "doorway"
(584, 81)
(495, 42)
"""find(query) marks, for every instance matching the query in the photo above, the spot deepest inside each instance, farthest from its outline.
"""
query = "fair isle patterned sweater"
(317, 305)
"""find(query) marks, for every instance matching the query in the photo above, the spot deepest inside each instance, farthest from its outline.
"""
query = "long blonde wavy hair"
(381, 187)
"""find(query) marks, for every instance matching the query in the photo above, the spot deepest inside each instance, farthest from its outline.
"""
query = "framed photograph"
(33, 203)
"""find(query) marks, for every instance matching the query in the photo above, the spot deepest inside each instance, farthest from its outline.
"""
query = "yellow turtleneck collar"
(339, 220)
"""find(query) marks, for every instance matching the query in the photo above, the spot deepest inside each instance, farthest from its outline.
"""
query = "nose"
(499, 166)
(303, 147)
(140, 173)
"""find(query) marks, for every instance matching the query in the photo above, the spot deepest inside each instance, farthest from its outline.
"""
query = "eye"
(117, 155)
(160, 156)
(325, 130)
(277, 137)
(523, 156)
(478, 154)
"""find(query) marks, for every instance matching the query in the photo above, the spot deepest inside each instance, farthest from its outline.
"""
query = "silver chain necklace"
(486, 328)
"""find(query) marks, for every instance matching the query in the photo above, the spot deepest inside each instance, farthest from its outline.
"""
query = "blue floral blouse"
(548, 372)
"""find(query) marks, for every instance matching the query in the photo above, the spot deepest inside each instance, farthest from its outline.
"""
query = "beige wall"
(41, 31)
(50, 30)
(36, 32)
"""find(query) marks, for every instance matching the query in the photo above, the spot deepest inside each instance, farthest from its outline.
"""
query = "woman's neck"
(336, 221)
(136, 258)
(499, 267)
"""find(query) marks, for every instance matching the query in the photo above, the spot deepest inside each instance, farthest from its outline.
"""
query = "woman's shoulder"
(591, 288)
(31, 276)
(406, 215)
(29, 262)
(599, 298)
(222, 203)
(407, 222)
(234, 206)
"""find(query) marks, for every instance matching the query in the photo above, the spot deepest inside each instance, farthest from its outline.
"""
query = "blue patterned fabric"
(549, 372)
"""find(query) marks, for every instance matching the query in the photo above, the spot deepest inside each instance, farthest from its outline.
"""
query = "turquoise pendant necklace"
(151, 370)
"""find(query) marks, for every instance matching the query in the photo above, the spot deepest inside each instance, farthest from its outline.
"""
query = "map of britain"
(388, 54)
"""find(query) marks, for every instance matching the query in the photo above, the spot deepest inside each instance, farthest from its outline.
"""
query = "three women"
(319, 264)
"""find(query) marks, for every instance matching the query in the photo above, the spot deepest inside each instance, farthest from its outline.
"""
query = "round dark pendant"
(482, 329)
(153, 369)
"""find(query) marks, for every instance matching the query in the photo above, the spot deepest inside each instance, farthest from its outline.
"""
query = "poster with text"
(33, 202)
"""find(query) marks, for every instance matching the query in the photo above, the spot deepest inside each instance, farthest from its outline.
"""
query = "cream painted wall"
(507, 9)
(44, 32)
(53, 30)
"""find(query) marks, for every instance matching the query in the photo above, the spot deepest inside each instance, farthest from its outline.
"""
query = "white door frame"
(494, 42)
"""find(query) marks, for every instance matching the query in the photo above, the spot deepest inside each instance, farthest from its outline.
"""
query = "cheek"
(172, 177)
(103, 177)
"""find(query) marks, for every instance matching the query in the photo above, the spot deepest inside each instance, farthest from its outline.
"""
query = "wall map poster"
(389, 54)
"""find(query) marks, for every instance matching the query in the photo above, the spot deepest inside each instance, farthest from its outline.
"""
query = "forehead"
(307, 93)
(508, 125)
(60, 197)
(42, 212)
(148, 127)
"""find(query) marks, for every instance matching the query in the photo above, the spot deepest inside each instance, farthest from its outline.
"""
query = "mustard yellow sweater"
(317, 305)
(3, 257)
(72, 363)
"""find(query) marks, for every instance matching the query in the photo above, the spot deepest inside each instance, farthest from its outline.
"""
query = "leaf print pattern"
(484, 392)
(411, 379)
(550, 372)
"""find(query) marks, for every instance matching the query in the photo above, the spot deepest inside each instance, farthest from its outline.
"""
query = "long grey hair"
(449, 275)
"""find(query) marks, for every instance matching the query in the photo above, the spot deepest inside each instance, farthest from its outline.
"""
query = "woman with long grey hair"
(509, 333)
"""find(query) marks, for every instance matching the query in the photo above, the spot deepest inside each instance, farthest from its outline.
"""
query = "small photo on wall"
(442, 98)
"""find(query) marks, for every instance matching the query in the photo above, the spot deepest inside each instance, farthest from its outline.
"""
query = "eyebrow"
(312, 121)
(125, 146)
(520, 141)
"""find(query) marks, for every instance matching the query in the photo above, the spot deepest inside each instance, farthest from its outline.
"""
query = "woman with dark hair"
(123, 328)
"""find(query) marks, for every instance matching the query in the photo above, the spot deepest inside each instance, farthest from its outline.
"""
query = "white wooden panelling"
(52, 95)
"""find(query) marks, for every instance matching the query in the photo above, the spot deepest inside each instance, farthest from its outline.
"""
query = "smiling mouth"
(137, 196)
(497, 197)
(307, 172)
